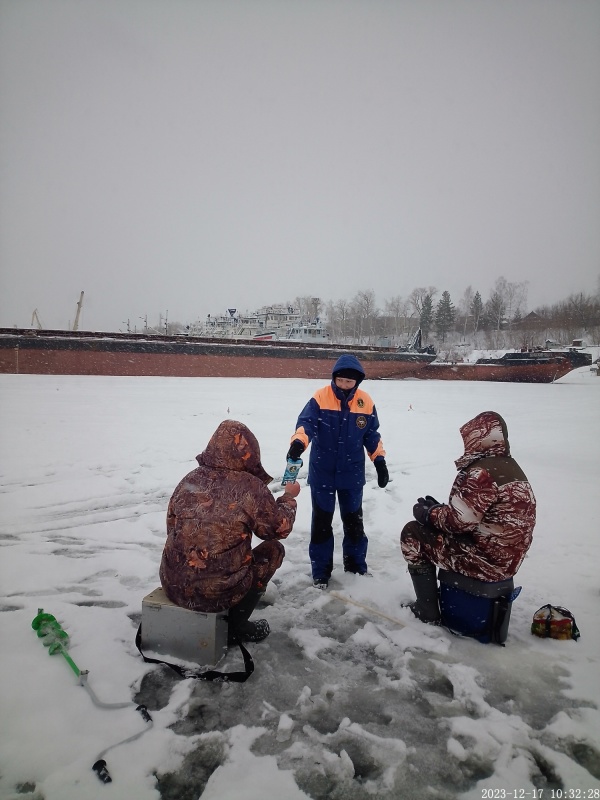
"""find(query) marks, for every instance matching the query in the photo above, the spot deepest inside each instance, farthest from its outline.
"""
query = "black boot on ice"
(240, 627)
(426, 607)
(254, 631)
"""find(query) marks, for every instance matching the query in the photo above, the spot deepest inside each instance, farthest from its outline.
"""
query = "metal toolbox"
(179, 633)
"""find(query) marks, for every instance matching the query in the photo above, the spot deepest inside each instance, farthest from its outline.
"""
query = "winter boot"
(240, 627)
(350, 565)
(355, 543)
(426, 607)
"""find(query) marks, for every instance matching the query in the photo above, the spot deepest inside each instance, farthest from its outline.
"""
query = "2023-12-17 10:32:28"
(540, 794)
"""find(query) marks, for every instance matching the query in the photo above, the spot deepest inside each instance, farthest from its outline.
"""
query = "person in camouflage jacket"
(485, 529)
(208, 563)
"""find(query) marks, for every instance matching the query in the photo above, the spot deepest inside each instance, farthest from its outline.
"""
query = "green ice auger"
(54, 638)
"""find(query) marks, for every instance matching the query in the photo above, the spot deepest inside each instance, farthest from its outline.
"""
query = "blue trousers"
(354, 543)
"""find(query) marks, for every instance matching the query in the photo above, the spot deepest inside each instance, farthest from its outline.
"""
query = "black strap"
(209, 675)
(566, 613)
(499, 611)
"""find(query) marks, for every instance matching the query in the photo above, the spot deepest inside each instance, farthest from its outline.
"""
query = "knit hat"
(348, 366)
(352, 374)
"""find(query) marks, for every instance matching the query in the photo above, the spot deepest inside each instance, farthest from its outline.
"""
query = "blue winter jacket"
(340, 427)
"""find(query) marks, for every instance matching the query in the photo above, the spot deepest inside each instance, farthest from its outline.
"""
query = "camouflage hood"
(233, 446)
(485, 435)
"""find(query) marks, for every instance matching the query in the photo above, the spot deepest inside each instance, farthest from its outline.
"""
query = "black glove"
(383, 476)
(422, 508)
(296, 450)
(428, 500)
(421, 511)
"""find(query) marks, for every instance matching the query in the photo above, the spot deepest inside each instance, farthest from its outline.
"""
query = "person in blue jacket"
(340, 421)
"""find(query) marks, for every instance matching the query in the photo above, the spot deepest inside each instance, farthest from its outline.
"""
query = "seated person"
(208, 563)
(485, 529)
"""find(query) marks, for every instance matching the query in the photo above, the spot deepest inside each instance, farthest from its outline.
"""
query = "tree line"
(499, 321)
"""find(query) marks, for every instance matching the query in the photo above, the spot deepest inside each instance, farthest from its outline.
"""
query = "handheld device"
(291, 471)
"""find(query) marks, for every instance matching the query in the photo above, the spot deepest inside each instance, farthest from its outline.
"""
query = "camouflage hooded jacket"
(207, 559)
(491, 499)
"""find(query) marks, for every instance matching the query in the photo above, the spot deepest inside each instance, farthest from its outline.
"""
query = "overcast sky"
(193, 155)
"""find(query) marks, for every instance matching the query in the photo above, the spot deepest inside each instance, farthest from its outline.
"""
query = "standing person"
(208, 563)
(341, 422)
(485, 529)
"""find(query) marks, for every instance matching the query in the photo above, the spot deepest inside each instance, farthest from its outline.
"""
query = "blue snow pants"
(354, 543)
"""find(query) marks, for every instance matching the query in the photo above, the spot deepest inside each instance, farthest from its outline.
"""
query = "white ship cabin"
(276, 322)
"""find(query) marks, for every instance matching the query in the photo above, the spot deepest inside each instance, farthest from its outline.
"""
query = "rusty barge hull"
(85, 353)
(529, 366)
(546, 371)
(46, 352)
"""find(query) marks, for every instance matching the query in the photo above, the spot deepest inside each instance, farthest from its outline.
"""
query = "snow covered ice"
(350, 698)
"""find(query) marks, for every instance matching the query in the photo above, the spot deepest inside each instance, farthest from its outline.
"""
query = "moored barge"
(53, 352)
(50, 352)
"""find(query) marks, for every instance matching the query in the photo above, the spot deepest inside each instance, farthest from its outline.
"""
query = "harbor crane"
(78, 314)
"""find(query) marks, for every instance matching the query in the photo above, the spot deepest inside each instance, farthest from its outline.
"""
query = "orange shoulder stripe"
(327, 400)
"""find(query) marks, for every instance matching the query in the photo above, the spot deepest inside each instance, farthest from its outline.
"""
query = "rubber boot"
(240, 628)
(424, 579)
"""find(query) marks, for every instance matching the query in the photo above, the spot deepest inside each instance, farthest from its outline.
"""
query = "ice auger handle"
(101, 770)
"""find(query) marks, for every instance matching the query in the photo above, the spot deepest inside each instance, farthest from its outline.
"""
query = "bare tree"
(516, 300)
(309, 307)
(333, 325)
(395, 308)
(583, 309)
(365, 312)
(417, 297)
(509, 300)
(342, 316)
(465, 302)
(464, 310)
